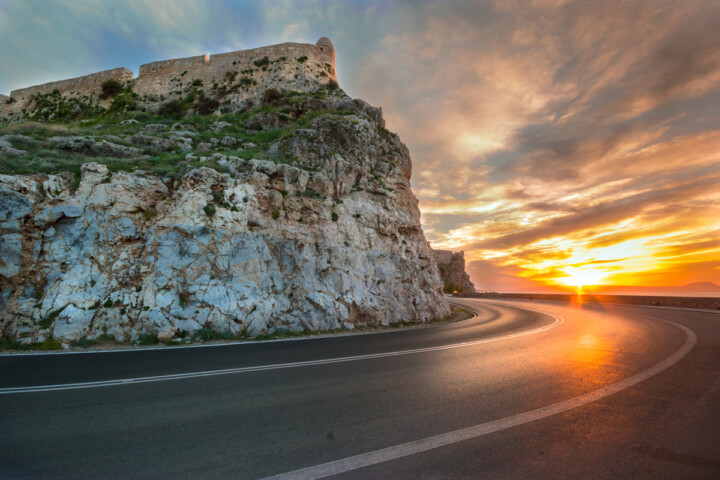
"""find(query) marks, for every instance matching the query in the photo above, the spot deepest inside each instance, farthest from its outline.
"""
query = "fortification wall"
(290, 66)
(171, 77)
(75, 86)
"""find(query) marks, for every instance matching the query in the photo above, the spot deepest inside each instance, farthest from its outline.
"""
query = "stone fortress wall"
(158, 78)
(170, 77)
(75, 86)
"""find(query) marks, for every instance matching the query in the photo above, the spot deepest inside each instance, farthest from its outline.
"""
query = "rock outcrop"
(315, 229)
(452, 271)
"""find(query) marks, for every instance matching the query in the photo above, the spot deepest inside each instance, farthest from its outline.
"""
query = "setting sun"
(581, 276)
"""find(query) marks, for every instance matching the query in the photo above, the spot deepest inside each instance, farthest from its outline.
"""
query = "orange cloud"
(558, 142)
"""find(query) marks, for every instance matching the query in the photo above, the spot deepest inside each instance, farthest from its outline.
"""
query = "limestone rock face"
(452, 271)
(327, 238)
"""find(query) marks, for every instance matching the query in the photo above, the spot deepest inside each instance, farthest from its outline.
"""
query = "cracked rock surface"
(321, 232)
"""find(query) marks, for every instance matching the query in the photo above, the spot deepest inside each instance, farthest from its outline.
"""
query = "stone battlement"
(296, 66)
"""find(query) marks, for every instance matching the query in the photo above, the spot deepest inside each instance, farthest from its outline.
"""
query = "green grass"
(148, 339)
(102, 124)
(49, 344)
(207, 334)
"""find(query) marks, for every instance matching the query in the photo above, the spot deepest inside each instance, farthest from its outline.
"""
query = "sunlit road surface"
(622, 393)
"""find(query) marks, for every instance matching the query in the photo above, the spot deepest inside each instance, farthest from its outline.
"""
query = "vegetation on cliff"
(291, 213)
(165, 140)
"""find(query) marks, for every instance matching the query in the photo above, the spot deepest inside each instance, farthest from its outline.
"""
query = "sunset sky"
(555, 142)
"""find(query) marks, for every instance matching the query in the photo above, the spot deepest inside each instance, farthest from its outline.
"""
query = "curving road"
(524, 390)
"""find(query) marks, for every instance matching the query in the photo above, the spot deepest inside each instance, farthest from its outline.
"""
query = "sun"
(582, 276)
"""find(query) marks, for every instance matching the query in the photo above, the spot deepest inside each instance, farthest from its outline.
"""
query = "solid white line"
(175, 348)
(278, 366)
(418, 446)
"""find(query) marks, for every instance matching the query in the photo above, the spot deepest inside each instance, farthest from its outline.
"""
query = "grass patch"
(49, 344)
(148, 339)
(207, 334)
(47, 321)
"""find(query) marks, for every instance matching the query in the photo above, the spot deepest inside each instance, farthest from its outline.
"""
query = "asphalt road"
(580, 391)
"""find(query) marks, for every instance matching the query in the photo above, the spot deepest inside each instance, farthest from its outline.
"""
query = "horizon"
(711, 290)
(559, 144)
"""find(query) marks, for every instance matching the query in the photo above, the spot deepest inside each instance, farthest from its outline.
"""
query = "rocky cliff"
(452, 271)
(293, 212)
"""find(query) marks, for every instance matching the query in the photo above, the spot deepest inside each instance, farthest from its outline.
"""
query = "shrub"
(206, 106)
(270, 95)
(263, 62)
(173, 108)
(108, 303)
(205, 334)
(218, 197)
(148, 339)
(275, 214)
(302, 59)
(197, 83)
(334, 217)
(84, 342)
(124, 101)
(105, 337)
(209, 209)
(110, 88)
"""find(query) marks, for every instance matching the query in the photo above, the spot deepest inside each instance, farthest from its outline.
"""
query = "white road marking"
(418, 446)
(233, 343)
(160, 378)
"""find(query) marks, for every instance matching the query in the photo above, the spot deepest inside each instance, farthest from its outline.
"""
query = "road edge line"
(403, 450)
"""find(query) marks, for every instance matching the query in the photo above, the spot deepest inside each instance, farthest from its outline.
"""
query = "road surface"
(525, 390)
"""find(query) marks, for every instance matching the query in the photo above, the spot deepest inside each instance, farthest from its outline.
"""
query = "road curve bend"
(525, 389)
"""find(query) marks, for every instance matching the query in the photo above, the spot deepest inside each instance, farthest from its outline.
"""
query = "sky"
(554, 142)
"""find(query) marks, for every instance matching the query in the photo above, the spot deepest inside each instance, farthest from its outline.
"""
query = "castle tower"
(328, 51)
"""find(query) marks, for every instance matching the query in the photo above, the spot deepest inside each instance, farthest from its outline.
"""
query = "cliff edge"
(293, 212)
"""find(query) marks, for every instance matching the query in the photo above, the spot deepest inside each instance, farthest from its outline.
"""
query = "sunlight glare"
(582, 276)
